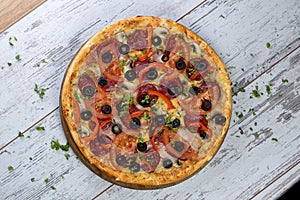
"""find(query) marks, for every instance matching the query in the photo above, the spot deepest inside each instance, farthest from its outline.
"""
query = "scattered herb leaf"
(9, 64)
(222, 16)
(10, 168)
(41, 91)
(18, 57)
(275, 139)
(32, 179)
(268, 45)
(255, 93)
(21, 134)
(268, 89)
(46, 180)
(53, 188)
(285, 80)
(40, 128)
(67, 156)
(56, 145)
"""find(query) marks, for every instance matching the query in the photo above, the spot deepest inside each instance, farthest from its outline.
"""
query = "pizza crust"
(161, 177)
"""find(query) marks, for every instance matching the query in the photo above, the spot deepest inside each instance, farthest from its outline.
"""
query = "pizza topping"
(144, 98)
(165, 58)
(156, 41)
(167, 163)
(163, 97)
(180, 65)
(121, 159)
(149, 160)
(106, 109)
(176, 123)
(107, 57)
(102, 81)
(201, 65)
(206, 105)
(160, 120)
(86, 85)
(86, 115)
(152, 74)
(203, 134)
(124, 49)
(219, 119)
(135, 123)
(179, 146)
(116, 128)
(138, 39)
(130, 75)
(134, 167)
(97, 148)
(194, 90)
(142, 146)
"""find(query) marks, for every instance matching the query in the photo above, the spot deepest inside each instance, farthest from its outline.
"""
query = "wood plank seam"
(267, 70)
(275, 179)
(187, 13)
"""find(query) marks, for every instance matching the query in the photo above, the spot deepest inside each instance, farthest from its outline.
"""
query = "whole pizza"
(146, 103)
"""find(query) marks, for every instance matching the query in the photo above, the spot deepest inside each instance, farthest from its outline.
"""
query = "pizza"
(146, 102)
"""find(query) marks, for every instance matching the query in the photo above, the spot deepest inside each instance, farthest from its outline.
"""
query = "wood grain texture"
(12, 11)
(56, 30)
(248, 162)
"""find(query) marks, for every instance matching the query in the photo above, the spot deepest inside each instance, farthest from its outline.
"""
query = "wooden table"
(258, 41)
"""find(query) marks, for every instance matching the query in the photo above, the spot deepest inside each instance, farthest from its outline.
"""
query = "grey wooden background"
(261, 154)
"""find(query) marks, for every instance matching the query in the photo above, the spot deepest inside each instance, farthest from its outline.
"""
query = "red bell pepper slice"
(163, 97)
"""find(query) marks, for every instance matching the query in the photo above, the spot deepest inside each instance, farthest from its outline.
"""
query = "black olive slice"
(180, 65)
(220, 119)
(144, 101)
(141, 146)
(206, 105)
(106, 57)
(135, 123)
(106, 109)
(124, 49)
(201, 65)
(179, 146)
(173, 90)
(116, 128)
(121, 159)
(194, 90)
(203, 134)
(152, 74)
(165, 58)
(134, 167)
(88, 91)
(86, 115)
(176, 123)
(102, 81)
(160, 120)
(156, 41)
(167, 163)
(119, 106)
(130, 75)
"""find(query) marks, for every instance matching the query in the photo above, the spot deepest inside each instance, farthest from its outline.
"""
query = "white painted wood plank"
(33, 158)
(248, 162)
(245, 29)
(56, 30)
(279, 187)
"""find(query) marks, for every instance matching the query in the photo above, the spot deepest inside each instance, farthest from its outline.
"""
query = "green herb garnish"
(41, 91)
(32, 179)
(10, 168)
(9, 64)
(53, 188)
(268, 45)
(40, 128)
(56, 145)
(222, 16)
(67, 156)
(285, 80)
(275, 139)
(21, 134)
(255, 93)
(46, 180)
(268, 89)
(18, 57)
